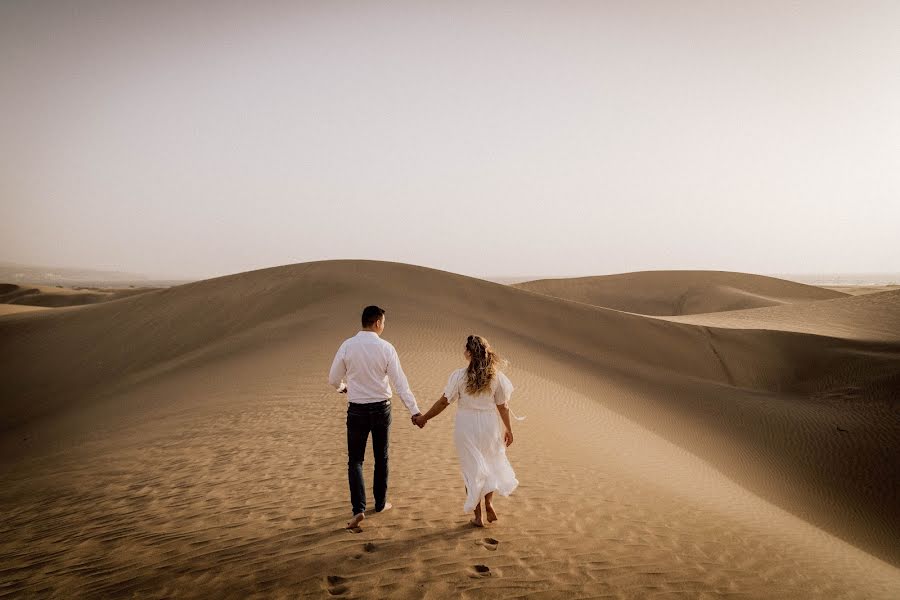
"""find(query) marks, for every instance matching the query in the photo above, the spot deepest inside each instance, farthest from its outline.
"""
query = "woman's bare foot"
(491, 515)
(477, 521)
(356, 520)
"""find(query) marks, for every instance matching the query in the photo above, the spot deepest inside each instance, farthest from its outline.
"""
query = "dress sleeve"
(504, 389)
(451, 392)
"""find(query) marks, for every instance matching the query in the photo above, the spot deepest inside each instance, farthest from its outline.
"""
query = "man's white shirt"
(367, 362)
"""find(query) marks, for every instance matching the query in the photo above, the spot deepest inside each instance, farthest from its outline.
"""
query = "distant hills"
(12, 272)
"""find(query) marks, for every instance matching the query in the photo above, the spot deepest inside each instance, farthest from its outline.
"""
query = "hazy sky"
(185, 139)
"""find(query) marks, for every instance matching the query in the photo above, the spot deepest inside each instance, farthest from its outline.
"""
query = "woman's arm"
(436, 409)
(503, 409)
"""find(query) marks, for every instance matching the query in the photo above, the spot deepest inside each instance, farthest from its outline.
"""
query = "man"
(367, 362)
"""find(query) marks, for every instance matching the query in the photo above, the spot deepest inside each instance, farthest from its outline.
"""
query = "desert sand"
(12, 294)
(8, 309)
(182, 442)
(857, 290)
(679, 292)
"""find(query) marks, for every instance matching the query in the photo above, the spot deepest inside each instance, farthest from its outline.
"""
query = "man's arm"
(400, 383)
(338, 370)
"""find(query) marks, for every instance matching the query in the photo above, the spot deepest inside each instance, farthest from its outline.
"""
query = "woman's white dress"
(479, 438)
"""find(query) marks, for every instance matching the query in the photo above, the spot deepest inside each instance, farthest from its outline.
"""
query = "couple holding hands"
(363, 367)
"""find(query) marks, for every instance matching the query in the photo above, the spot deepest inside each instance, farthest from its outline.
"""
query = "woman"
(482, 391)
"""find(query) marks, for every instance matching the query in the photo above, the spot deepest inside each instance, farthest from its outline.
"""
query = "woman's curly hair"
(483, 364)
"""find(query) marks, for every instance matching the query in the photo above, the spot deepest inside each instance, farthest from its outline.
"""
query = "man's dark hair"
(370, 315)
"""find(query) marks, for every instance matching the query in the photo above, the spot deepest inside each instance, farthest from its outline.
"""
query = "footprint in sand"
(489, 543)
(335, 585)
(370, 547)
(480, 571)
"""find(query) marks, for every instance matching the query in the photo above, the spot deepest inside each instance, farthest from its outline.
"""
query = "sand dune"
(57, 296)
(9, 309)
(679, 292)
(182, 442)
(858, 290)
(873, 317)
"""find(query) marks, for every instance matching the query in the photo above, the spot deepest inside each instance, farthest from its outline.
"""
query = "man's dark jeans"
(362, 419)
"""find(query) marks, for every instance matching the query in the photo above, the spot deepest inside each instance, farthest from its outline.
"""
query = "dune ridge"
(679, 292)
(203, 396)
(58, 296)
(864, 317)
(8, 309)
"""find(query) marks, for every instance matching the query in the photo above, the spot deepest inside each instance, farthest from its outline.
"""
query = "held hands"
(419, 420)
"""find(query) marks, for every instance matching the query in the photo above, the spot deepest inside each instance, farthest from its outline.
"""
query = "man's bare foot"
(356, 520)
(387, 506)
(491, 515)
